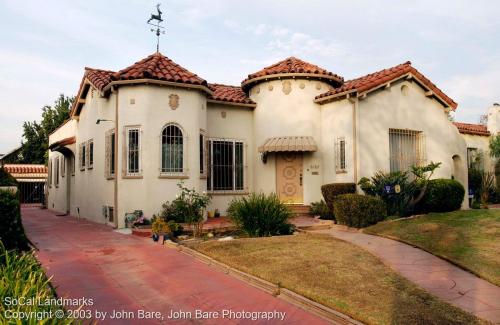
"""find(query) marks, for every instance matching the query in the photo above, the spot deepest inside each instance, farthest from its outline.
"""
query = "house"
(477, 138)
(289, 128)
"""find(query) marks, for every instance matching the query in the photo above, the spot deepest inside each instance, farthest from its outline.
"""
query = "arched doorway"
(460, 174)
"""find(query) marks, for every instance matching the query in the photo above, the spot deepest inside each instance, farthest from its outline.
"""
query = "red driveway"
(128, 273)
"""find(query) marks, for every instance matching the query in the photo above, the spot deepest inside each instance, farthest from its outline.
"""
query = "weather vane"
(159, 29)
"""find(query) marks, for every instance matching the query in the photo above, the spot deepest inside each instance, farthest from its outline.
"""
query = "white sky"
(44, 45)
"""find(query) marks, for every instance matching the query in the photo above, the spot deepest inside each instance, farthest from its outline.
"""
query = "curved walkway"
(130, 273)
(439, 277)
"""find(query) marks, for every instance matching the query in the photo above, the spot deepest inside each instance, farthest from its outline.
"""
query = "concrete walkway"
(129, 273)
(439, 277)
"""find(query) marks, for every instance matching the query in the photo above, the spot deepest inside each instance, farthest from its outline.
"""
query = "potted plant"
(216, 213)
(160, 228)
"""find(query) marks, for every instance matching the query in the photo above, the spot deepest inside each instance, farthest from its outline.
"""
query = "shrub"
(188, 207)
(330, 191)
(22, 276)
(359, 211)
(6, 179)
(321, 209)
(400, 192)
(260, 215)
(11, 228)
(442, 195)
(475, 178)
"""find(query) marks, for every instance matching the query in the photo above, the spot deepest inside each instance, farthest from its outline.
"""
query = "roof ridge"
(224, 85)
(97, 69)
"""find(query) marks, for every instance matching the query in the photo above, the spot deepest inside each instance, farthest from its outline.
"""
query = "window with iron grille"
(90, 154)
(56, 173)
(109, 169)
(49, 176)
(82, 156)
(340, 153)
(172, 150)
(133, 145)
(63, 166)
(203, 154)
(474, 158)
(226, 170)
(406, 148)
(72, 165)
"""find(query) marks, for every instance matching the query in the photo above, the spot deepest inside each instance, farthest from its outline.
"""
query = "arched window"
(172, 150)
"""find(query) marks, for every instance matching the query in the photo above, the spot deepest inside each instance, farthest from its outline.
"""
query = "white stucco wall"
(482, 144)
(151, 112)
(294, 114)
(237, 125)
(391, 108)
(337, 122)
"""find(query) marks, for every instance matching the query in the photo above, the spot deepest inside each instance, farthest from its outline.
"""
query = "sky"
(45, 45)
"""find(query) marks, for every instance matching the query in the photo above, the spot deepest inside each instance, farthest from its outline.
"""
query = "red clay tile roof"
(158, 67)
(376, 79)
(473, 129)
(99, 78)
(25, 169)
(291, 66)
(232, 94)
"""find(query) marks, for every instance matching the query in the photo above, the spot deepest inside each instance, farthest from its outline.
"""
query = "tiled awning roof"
(62, 143)
(291, 143)
(473, 129)
(31, 171)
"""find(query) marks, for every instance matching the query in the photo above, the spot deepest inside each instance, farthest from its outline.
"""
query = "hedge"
(331, 191)
(442, 195)
(359, 211)
(11, 229)
(6, 179)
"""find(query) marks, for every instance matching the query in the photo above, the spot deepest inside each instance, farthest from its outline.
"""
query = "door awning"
(291, 143)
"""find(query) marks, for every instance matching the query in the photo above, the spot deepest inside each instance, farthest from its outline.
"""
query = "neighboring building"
(11, 157)
(477, 138)
(291, 127)
(32, 179)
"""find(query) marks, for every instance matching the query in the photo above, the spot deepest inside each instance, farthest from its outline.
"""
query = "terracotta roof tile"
(99, 78)
(293, 65)
(158, 67)
(232, 94)
(376, 79)
(473, 129)
(25, 169)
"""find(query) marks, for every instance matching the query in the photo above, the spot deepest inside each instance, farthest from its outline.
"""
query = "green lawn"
(336, 274)
(470, 238)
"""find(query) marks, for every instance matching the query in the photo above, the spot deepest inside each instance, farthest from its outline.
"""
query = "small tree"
(194, 205)
(495, 146)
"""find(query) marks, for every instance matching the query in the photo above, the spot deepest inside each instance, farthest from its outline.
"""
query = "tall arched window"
(172, 150)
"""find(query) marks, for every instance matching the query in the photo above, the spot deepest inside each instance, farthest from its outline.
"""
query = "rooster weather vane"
(157, 20)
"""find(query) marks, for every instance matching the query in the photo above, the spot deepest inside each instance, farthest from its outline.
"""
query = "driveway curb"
(296, 299)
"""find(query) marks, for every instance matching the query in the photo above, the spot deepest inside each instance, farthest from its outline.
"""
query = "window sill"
(242, 192)
(203, 176)
(341, 172)
(132, 177)
(173, 176)
(90, 167)
(109, 178)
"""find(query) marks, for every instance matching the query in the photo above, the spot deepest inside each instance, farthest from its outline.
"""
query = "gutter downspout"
(115, 210)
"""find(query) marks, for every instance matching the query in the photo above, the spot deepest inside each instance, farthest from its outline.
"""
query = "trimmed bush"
(321, 209)
(11, 229)
(331, 191)
(359, 211)
(6, 179)
(443, 195)
(260, 215)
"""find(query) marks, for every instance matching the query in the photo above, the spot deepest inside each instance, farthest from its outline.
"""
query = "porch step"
(300, 210)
